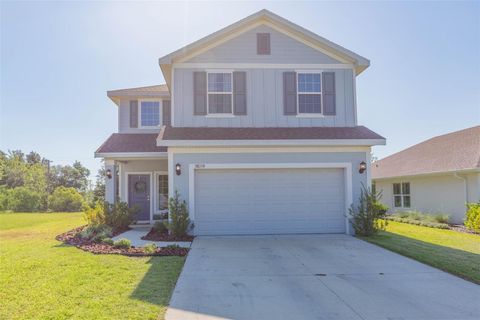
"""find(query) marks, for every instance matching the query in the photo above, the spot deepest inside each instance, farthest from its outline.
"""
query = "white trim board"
(235, 66)
(347, 166)
(285, 142)
(131, 155)
(261, 149)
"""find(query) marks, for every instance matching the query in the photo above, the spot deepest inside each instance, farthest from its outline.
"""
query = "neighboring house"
(256, 127)
(439, 175)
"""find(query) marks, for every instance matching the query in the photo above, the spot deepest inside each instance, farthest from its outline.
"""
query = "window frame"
(402, 194)
(220, 115)
(160, 106)
(156, 200)
(307, 114)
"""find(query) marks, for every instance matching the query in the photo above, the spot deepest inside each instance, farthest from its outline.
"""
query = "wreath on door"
(140, 186)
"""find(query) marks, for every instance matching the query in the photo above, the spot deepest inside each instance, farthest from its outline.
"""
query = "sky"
(58, 59)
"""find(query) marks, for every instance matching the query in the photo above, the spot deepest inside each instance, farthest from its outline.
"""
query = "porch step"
(141, 225)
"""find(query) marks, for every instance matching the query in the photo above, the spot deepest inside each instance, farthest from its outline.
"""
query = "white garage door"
(269, 201)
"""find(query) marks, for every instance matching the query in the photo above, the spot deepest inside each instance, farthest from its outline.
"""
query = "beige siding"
(435, 194)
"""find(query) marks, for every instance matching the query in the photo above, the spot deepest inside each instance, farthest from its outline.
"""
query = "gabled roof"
(160, 90)
(171, 136)
(269, 18)
(456, 151)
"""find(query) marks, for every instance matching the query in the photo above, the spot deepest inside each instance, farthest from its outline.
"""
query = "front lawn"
(41, 278)
(451, 251)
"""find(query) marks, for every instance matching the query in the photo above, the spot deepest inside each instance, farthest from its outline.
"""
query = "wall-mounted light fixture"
(108, 173)
(178, 169)
(362, 167)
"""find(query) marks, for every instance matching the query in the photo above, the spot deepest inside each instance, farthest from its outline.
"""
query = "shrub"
(23, 199)
(96, 233)
(423, 223)
(179, 223)
(150, 248)
(108, 241)
(160, 227)
(94, 215)
(368, 216)
(65, 199)
(441, 217)
(472, 218)
(122, 244)
(118, 215)
(4, 195)
(173, 246)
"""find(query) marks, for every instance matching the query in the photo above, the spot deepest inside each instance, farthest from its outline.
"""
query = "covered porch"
(136, 172)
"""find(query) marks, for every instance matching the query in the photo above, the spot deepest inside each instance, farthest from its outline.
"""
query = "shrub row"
(426, 217)
(23, 199)
(419, 222)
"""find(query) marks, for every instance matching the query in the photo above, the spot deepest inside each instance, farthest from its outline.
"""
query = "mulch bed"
(461, 228)
(72, 237)
(152, 235)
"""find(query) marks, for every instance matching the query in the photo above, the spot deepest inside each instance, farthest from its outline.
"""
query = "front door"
(139, 195)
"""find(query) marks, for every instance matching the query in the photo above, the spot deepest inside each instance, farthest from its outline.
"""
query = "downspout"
(465, 185)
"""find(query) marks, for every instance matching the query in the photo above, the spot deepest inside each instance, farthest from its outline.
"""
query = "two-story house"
(256, 128)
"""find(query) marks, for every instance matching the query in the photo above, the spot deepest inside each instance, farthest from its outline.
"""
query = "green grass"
(41, 278)
(451, 251)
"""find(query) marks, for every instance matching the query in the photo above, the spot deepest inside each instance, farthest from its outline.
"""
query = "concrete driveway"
(313, 277)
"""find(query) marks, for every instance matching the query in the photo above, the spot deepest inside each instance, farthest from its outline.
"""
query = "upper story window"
(219, 92)
(309, 93)
(149, 115)
(401, 195)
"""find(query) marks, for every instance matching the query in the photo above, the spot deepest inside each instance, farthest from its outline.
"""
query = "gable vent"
(263, 43)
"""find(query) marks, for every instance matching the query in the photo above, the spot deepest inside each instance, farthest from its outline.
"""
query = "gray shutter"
(289, 93)
(239, 93)
(166, 113)
(199, 93)
(263, 43)
(133, 113)
(328, 91)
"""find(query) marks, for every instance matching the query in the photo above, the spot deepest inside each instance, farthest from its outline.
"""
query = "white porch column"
(110, 182)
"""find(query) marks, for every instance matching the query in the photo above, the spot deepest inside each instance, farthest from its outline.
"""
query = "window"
(162, 192)
(401, 195)
(309, 93)
(219, 95)
(149, 114)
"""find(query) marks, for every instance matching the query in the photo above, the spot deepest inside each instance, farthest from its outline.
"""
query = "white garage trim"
(347, 166)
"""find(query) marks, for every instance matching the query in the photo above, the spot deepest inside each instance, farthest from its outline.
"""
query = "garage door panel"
(269, 201)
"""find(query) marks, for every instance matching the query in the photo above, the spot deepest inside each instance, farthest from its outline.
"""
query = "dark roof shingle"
(454, 151)
(131, 142)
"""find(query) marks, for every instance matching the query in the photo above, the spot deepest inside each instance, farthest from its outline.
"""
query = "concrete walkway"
(313, 277)
(135, 236)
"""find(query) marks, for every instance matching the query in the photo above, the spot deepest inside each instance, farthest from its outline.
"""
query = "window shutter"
(166, 113)
(239, 93)
(133, 113)
(263, 43)
(328, 92)
(199, 93)
(289, 93)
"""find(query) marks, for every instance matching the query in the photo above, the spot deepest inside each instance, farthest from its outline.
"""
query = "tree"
(33, 158)
(99, 189)
(75, 176)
